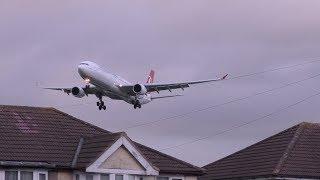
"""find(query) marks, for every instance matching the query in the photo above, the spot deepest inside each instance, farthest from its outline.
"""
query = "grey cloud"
(43, 41)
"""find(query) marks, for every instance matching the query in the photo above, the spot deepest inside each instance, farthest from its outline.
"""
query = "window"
(89, 177)
(162, 178)
(42, 176)
(104, 177)
(77, 177)
(119, 177)
(131, 177)
(25, 175)
(11, 175)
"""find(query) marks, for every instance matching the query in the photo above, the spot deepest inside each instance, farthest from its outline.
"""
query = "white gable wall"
(147, 168)
(122, 159)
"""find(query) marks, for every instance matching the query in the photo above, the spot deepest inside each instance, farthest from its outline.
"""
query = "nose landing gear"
(137, 105)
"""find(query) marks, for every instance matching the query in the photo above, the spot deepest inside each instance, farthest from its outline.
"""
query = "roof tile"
(291, 153)
(36, 134)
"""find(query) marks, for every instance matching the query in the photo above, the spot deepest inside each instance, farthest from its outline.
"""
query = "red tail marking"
(151, 77)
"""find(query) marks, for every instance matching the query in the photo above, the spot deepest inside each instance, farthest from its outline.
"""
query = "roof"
(48, 137)
(293, 153)
(93, 147)
(168, 164)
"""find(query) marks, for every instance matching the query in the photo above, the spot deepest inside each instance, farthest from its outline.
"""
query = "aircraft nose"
(82, 70)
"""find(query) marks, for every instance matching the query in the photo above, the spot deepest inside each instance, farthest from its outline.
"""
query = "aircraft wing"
(162, 97)
(66, 90)
(87, 90)
(169, 87)
(183, 85)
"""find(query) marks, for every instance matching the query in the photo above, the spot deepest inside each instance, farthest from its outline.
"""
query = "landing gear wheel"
(102, 107)
(137, 105)
(100, 103)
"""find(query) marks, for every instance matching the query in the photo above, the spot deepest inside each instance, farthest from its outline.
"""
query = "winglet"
(150, 79)
(225, 77)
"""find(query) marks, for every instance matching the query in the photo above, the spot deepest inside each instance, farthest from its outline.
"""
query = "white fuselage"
(109, 83)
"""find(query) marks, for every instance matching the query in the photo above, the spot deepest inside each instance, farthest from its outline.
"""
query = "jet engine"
(78, 92)
(139, 89)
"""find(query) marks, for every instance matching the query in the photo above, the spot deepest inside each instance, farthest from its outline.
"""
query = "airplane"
(105, 84)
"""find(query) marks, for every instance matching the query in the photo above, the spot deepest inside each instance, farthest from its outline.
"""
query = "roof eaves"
(27, 164)
(138, 149)
(15, 106)
(176, 159)
(185, 172)
(117, 137)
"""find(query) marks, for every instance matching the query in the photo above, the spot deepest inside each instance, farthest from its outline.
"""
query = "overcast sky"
(42, 42)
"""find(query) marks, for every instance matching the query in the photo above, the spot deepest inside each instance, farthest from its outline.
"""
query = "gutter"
(27, 164)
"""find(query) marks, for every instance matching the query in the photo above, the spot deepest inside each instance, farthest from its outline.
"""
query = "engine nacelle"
(78, 92)
(139, 89)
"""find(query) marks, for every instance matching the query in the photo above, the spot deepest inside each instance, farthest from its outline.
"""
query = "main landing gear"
(137, 105)
(101, 105)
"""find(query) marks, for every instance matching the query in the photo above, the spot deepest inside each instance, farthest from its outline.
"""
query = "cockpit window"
(84, 64)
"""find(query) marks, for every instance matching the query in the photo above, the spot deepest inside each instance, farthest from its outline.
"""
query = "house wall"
(52, 175)
(96, 176)
(2, 175)
(149, 178)
(191, 178)
(60, 175)
(181, 177)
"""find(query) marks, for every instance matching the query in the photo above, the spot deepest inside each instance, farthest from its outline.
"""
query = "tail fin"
(151, 77)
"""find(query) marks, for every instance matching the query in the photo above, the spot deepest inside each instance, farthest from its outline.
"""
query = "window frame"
(171, 177)
(176, 178)
(115, 176)
(100, 175)
(18, 174)
(163, 177)
(89, 174)
(76, 175)
(35, 172)
(26, 171)
(45, 176)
